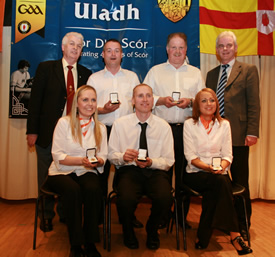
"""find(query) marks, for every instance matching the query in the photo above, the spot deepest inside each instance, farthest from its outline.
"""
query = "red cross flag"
(252, 21)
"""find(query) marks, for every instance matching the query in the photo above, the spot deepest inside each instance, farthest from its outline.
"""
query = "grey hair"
(76, 34)
(226, 34)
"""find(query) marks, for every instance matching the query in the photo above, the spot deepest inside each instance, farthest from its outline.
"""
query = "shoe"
(130, 239)
(47, 226)
(245, 249)
(77, 251)
(152, 241)
(136, 223)
(244, 234)
(91, 251)
(199, 246)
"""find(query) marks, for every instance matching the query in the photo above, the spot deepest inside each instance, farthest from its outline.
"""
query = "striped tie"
(221, 86)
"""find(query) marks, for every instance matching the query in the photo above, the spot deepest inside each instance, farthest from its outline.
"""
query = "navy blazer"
(48, 99)
(241, 100)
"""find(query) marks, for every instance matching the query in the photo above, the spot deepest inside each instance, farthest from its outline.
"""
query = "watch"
(190, 105)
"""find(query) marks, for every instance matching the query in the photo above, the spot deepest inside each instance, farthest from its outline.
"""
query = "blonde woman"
(74, 176)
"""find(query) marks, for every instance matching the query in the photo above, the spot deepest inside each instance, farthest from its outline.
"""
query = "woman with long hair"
(208, 150)
(74, 176)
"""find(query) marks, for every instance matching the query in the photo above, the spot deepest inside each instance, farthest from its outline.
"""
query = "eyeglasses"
(228, 46)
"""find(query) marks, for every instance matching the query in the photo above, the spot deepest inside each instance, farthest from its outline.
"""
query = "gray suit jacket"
(241, 100)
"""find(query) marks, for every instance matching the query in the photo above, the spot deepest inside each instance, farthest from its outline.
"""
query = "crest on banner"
(174, 10)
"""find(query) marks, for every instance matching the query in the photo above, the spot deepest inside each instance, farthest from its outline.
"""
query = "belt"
(175, 124)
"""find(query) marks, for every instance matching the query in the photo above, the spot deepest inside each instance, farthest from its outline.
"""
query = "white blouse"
(64, 144)
(199, 144)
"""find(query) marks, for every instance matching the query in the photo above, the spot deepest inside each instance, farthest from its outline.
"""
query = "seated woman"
(74, 176)
(207, 135)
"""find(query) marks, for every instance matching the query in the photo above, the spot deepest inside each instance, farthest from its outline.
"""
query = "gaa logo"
(174, 10)
(23, 9)
(24, 27)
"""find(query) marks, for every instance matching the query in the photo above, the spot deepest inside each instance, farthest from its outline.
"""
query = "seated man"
(136, 177)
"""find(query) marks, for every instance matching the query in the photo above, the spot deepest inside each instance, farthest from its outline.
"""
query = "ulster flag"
(252, 21)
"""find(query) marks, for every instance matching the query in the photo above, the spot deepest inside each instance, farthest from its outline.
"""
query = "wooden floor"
(16, 234)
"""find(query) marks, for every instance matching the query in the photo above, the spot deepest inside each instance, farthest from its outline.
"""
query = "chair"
(187, 191)
(113, 194)
(45, 191)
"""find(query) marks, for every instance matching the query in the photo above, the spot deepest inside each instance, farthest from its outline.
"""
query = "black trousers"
(177, 130)
(217, 204)
(240, 174)
(77, 194)
(132, 183)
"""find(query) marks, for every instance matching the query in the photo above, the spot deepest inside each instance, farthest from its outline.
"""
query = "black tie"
(143, 145)
(142, 138)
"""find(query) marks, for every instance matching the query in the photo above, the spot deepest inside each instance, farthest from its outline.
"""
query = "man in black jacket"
(48, 103)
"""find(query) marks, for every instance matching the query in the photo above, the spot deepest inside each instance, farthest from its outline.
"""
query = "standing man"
(237, 88)
(177, 76)
(137, 176)
(114, 87)
(54, 86)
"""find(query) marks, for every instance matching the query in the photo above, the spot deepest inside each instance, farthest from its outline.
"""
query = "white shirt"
(64, 144)
(125, 135)
(199, 144)
(228, 70)
(123, 83)
(19, 79)
(165, 79)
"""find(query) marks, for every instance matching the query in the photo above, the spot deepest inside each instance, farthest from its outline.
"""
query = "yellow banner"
(30, 17)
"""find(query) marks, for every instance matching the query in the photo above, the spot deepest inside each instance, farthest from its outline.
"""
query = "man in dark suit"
(241, 108)
(48, 103)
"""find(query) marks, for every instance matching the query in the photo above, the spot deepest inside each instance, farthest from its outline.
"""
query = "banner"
(141, 26)
(30, 17)
(252, 21)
